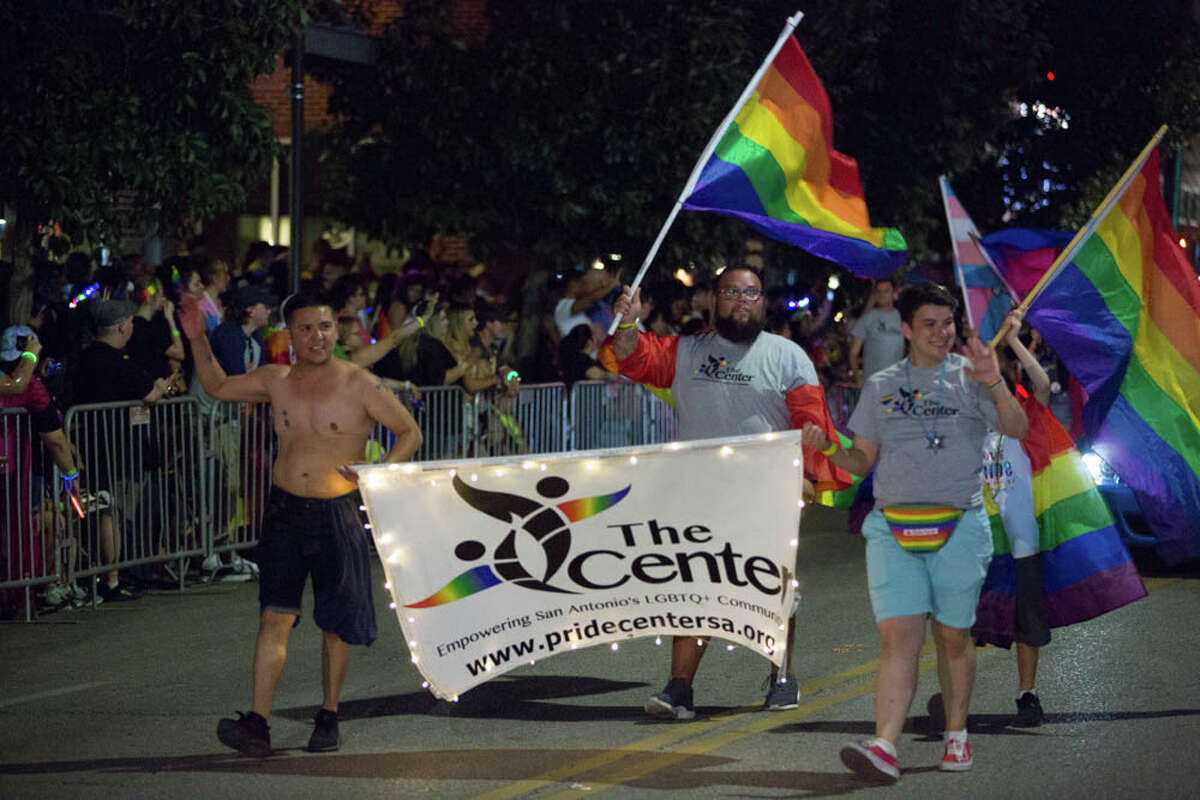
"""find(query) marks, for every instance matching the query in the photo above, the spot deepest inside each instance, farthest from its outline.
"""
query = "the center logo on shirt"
(716, 368)
(915, 404)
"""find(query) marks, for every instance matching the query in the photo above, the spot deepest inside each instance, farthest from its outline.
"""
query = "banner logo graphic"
(546, 524)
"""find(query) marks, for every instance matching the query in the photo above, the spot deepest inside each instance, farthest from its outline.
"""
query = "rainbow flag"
(1124, 316)
(774, 167)
(843, 498)
(1086, 570)
(1024, 254)
(988, 297)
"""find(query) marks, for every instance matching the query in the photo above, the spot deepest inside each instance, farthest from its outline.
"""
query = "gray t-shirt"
(727, 389)
(891, 412)
(883, 341)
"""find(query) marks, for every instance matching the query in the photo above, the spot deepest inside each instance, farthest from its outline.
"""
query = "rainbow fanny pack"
(921, 527)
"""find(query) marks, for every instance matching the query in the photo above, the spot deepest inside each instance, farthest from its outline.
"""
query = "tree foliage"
(135, 114)
(1120, 70)
(571, 127)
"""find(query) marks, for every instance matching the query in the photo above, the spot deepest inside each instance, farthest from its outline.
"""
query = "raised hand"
(1013, 321)
(985, 367)
(629, 304)
(34, 345)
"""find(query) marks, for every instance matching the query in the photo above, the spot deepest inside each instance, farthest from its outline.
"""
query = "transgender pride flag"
(987, 296)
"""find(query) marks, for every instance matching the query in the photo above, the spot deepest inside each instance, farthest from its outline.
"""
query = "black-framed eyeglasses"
(752, 293)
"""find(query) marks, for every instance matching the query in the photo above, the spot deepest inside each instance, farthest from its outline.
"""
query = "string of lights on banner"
(493, 564)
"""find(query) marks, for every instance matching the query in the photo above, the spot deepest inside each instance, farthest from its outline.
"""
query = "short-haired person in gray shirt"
(921, 423)
(876, 339)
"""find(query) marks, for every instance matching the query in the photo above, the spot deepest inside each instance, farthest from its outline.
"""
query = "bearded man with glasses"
(734, 381)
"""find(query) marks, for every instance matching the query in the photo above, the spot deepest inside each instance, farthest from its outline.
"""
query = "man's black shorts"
(1031, 602)
(324, 538)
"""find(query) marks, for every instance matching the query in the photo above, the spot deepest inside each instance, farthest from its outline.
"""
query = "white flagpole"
(1068, 252)
(792, 22)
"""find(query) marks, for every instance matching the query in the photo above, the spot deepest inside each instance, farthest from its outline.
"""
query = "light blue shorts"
(944, 583)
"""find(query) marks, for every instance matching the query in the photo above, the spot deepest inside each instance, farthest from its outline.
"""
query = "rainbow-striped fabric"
(1086, 570)
(921, 528)
(775, 168)
(843, 498)
(1124, 316)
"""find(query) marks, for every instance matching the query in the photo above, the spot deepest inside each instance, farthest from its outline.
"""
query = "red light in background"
(1050, 75)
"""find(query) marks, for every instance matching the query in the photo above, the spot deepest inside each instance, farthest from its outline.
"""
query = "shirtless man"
(324, 409)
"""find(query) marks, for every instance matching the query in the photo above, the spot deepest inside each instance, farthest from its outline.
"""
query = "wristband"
(31, 356)
(420, 322)
(996, 383)
(176, 332)
(625, 326)
(833, 448)
(512, 373)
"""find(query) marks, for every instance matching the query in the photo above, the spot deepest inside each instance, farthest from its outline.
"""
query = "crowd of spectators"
(109, 333)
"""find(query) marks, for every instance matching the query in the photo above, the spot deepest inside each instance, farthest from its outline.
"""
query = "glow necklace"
(931, 434)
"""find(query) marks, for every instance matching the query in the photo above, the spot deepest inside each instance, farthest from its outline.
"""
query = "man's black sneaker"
(248, 734)
(673, 701)
(1029, 711)
(117, 594)
(325, 736)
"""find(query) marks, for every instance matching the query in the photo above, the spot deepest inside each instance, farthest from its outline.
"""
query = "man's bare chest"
(306, 410)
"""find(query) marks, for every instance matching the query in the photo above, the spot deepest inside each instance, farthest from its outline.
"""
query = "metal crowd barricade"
(527, 421)
(179, 480)
(841, 399)
(604, 414)
(144, 485)
(445, 416)
(240, 458)
(29, 555)
(661, 425)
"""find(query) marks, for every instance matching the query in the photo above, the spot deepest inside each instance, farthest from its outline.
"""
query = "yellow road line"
(692, 730)
(718, 739)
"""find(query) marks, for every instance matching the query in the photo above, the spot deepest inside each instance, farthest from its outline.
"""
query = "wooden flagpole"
(1087, 230)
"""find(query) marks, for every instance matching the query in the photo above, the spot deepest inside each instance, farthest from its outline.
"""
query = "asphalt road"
(123, 702)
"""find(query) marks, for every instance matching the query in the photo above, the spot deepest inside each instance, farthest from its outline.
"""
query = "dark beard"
(739, 333)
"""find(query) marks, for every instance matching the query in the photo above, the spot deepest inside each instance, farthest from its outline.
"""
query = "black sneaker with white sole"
(674, 701)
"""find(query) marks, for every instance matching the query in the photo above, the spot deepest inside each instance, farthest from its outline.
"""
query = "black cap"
(245, 296)
(106, 313)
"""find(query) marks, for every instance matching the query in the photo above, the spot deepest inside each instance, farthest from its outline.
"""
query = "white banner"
(496, 563)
